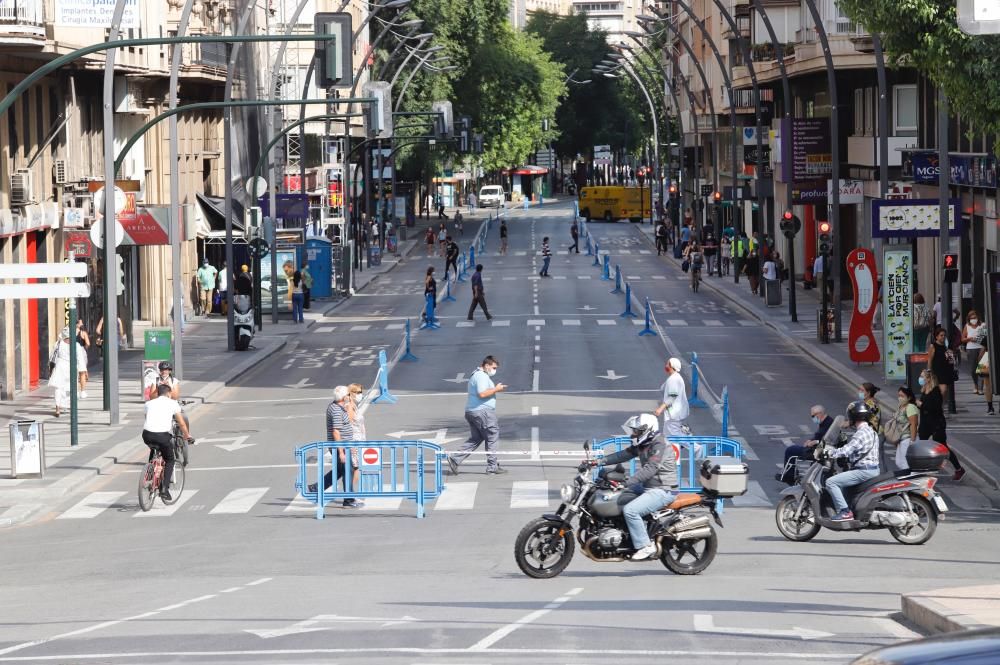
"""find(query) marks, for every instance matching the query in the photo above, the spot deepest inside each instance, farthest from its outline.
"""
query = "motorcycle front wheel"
(801, 530)
(689, 557)
(921, 532)
(544, 548)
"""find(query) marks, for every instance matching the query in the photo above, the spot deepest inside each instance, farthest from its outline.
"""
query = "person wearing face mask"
(354, 397)
(481, 414)
(822, 421)
(866, 393)
(973, 334)
(907, 420)
(933, 424)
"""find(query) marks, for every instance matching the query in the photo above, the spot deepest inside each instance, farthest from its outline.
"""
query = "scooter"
(903, 502)
(243, 321)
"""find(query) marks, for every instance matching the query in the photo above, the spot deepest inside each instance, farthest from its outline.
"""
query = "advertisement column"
(897, 306)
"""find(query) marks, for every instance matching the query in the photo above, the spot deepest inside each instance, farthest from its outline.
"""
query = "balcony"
(22, 22)
(742, 25)
(767, 53)
(204, 61)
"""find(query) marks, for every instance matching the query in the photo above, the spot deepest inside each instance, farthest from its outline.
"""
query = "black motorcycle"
(905, 503)
(591, 516)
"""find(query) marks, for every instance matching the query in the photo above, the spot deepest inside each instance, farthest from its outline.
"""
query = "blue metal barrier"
(447, 292)
(464, 271)
(725, 411)
(384, 396)
(387, 469)
(648, 330)
(695, 400)
(597, 254)
(407, 355)
(430, 322)
(472, 258)
(606, 270)
(618, 279)
(576, 209)
(689, 448)
(628, 303)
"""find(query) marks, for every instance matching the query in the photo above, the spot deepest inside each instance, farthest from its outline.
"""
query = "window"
(904, 108)
(859, 112)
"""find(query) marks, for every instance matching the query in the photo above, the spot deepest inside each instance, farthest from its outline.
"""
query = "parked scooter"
(903, 502)
(243, 321)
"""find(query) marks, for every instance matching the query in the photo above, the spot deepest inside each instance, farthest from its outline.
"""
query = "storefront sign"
(861, 343)
(809, 148)
(851, 191)
(79, 243)
(804, 193)
(966, 170)
(750, 155)
(94, 13)
(897, 309)
(914, 218)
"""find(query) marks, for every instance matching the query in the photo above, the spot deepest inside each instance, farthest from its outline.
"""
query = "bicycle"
(151, 480)
(181, 452)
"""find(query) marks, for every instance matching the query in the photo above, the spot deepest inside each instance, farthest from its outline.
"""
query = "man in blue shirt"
(481, 414)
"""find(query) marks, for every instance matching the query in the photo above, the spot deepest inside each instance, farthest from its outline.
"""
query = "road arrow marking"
(611, 376)
(767, 376)
(704, 623)
(303, 383)
(238, 442)
(324, 622)
(440, 435)
(586, 308)
(459, 378)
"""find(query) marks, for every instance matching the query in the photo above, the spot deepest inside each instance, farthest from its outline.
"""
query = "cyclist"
(161, 414)
(168, 379)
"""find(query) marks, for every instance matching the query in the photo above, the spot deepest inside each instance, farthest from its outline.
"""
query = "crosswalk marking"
(530, 494)
(571, 322)
(520, 253)
(635, 278)
(559, 277)
(607, 322)
(457, 496)
(713, 322)
(638, 322)
(624, 251)
(91, 506)
(754, 498)
(160, 510)
(465, 324)
(645, 251)
(299, 504)
(395, 326)
(583, 276)
(745, 323)
(501, 324)
(325, 329)
(361, 328)
(677, 322)
(536, 322)
(659, 276)
(386, 503)
(509, 279)
(239, 501)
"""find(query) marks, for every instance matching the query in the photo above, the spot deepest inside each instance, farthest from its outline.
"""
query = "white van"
(491, 196)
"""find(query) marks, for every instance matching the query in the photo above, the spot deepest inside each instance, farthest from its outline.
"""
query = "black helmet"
(858, 411)
(165, 365)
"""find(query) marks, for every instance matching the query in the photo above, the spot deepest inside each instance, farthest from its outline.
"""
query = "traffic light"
(464, 129)
(446, 125)
(477, 144)
(380, 111)
(716, 197)
(120, 287)
(825, 238)
(790, 224)
(951, 267)
(334, 55)
(673, 191)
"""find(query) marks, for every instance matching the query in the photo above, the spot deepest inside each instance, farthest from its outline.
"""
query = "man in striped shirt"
(546, 257)
(339, 428)
(862, 452)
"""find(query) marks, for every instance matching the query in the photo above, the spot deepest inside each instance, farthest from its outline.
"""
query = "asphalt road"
(241, 571)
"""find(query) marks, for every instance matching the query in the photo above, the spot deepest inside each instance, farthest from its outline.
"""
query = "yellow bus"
(614, 203)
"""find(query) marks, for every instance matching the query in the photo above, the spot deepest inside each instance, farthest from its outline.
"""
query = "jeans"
(298, 300)
(904, 445)
(545, 266)
(835, 485)
(710, 261)
(648, 502)
(483, 428)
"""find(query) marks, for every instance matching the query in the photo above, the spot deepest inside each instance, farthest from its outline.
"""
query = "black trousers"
(161, 441)
(481, 301)
(575, 245)
(451, 264)
(308, 299)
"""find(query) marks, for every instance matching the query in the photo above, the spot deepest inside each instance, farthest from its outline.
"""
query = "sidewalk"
(960, 608)
(974, 436)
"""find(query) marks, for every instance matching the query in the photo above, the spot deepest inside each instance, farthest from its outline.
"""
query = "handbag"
(685, 265)
(893, 430)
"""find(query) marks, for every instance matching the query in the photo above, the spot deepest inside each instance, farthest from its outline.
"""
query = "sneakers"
(453, 465)
(83, 394)
(165, 495)
(844, 515)
(644, 553)
(959, 474)
(496, 472)
(352, 503)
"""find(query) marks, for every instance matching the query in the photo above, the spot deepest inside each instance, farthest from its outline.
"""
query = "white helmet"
(641, 428)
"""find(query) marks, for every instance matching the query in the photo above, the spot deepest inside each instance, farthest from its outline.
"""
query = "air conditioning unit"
(21, 189)
(59, 172)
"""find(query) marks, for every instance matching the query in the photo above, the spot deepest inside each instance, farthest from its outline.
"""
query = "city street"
(240, 571)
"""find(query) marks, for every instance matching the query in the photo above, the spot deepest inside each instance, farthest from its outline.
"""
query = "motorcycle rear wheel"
(689, 557)
(540, 551)
(921, 532)
(796, 531)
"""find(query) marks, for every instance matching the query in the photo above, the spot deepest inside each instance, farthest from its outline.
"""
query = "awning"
(214, 213)
(528, 170)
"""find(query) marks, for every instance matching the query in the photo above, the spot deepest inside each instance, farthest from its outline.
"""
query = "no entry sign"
(370, 457)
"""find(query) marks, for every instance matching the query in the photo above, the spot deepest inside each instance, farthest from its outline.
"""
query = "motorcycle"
(243, 321)
(685, 540)
(905, 503)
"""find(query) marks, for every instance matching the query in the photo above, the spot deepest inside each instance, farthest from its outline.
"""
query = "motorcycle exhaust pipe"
(694, 534)
(688, 524)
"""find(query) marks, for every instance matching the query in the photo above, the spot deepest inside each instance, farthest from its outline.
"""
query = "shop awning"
(528, 169)
(214, 213)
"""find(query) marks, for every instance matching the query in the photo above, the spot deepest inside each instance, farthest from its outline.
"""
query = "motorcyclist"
(651, 486)
(862, 454)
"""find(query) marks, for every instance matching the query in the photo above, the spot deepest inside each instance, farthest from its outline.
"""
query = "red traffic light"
(788, 215)
(950, 260)
(824, 227)
(717, 196)
(673, 189)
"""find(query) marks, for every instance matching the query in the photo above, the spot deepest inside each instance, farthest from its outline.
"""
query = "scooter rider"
(652, 485)
(862, 452)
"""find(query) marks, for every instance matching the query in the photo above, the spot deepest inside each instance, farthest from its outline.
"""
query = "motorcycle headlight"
(567, 492)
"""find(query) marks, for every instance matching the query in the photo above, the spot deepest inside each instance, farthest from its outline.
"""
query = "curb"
(924, 610)
(980, 466)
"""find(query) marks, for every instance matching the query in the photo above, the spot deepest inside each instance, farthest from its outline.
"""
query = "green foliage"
(924, 34)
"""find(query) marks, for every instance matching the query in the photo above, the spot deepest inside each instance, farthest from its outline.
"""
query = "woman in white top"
(59, 376)
(770, 270)
(973, 335)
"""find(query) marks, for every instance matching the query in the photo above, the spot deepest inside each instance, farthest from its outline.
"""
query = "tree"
(924, 34)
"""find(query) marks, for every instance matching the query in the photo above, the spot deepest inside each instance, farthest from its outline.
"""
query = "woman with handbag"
(933, 424)
(902, 429)
(941, 361)
(973, 334)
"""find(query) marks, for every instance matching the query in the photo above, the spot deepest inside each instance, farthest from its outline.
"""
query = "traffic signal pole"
(944, 180)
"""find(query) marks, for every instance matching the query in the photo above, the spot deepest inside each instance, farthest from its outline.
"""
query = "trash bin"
(390, 244)
(374, 256)
(157, 344)
(772, 292)
(402, 233)
(27, 449)
(915, 363)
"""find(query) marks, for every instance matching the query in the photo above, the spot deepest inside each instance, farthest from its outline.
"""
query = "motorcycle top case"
(926, 455)
(727, 476)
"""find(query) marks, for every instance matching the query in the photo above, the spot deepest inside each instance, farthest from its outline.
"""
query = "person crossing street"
(674, 407)
(478, 295)
(481, 414)
(546, 257)
(574, 233)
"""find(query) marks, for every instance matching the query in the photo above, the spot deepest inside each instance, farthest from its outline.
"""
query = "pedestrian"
(442, 239)
(546, 257)
(207, 275)
(942, 361)
(481, 414)
(739, 255)
(933, 424)
(770, 270)
(710, 249)
(751, 268)
(503, 237)
(726, 253)
(440, 207)
(244, 282)
(295, 293)
(430, 293)
(429, 240)
(471, 200)
(674, 406)
(83, 339)
(973, 335)
(59, 376)
(478, 294)
(905, 422)
(458, 222)
(574, 234)
(122, 339)
(983, 370)
(923, 318)
(355, 395)
(451, 257)
(307, 283)
(685, 235)
(661, 238)
(339, 428)
(224, 289)
(695, 258)
(866, 393)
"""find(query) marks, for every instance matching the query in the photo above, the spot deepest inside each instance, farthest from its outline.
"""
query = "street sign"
(97, 234)
(258, 248)
(72, 269)
(79, 243)
(706, 190)
(43, 290)
(979, 17)
(370, 457)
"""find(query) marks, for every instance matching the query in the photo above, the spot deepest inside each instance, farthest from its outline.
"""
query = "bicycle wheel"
(146, 492)
(181, 450)
(176, 485)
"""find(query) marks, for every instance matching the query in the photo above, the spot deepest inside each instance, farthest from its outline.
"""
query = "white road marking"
(497, 635)
(645, 251)
(534, 381)
(360, 328)
(530, 493)
(300, 504)
(534, 410)
(607, 322)
(239, 501)
(509, 279)
(501, 324)
(713, 322)
(538, 359)
(634, 278)
(659, 277)
(534, 444)
(754, 498)
(457, 496)
(536, 310)
(465, 324)
(583, 276)
(160, 510)
(324, 329)
(536, 322)
(747, 324)
(676, 322)
(538, 338)
(91, 506)
(704, 623)
(638, 322)
(384, 504)
(559, 277)
(571, 322)
(395, 326)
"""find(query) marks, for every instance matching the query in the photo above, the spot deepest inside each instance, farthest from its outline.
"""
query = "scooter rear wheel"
(801, 530)
(926, 525)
